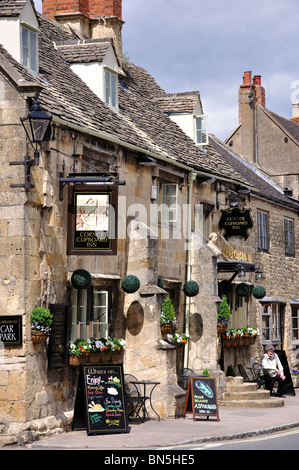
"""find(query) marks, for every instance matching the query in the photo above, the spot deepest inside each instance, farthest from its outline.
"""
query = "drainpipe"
(191, 179)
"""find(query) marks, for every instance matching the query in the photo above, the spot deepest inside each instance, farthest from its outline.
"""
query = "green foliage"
(243, 289)
(259, 292)
(167, 312)
(130, 284)
(206, 372)
(81, 279)
(230, 371)
(41, 319)
(224, 314)
(191, 288)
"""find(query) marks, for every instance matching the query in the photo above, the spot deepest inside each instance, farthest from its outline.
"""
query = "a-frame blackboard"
(201, 398)
(289, 388)
(100, 405)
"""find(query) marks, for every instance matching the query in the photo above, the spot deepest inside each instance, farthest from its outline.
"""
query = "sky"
(207, 45)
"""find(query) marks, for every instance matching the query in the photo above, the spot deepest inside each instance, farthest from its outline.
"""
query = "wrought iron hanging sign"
(235, 223)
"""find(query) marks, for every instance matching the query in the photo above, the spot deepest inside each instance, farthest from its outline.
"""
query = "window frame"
(202, 130)
(295, 308)
(32, 52)
(275, 312)
(111, 88)
(166, 207)
(83, 321)
(289, 236)
(263, 240)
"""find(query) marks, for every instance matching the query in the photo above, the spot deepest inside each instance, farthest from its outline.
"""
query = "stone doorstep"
(246, 394)
(265, 403)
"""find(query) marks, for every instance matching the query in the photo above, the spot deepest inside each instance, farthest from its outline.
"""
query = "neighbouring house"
(269, 141)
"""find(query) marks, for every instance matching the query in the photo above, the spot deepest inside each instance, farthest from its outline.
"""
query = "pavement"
(235, 422)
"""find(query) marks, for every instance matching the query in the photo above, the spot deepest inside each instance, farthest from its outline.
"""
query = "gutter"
(135, 148)
(191, 178)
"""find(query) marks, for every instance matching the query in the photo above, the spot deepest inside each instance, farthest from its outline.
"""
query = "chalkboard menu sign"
(201, 398)
(11, 330)
(102, 395)
(289, 388)
(57, 355)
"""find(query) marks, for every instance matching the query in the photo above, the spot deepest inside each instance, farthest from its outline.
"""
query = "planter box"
(295, 380)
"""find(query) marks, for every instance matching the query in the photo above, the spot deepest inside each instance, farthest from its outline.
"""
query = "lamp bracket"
(85, 178)
(27, 167)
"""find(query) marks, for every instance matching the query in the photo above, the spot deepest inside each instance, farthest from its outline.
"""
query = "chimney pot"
(247, 78)
(257, 80)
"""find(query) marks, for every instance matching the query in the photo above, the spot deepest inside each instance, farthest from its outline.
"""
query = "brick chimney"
(90, 8)
(252, 91)
(90, 18)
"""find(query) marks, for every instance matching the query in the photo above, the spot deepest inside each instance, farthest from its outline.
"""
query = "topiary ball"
(243, 289)
(191, 288)
(130, 284)
(81, 279)
(259, 292)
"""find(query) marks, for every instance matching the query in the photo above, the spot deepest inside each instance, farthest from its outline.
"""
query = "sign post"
(201, 398)
(100, 401)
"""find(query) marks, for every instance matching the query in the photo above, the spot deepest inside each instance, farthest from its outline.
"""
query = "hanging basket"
(221, 328)
(130, 284)
(105, 356)
(38, 337)
(191, 288)
(243, 289)
(228, 343)
(259, 292)
(81, 279)
(94, 357)
(117, 356)
(166, 328)
(76, 360)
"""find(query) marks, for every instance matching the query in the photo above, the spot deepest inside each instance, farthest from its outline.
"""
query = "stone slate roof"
(265, 186)
(140, 121)
(11, 7)
(178, 102)
(288, 126)
(82, 51)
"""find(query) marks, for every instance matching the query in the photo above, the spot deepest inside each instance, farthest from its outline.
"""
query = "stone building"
(156, 194)
(265, 138)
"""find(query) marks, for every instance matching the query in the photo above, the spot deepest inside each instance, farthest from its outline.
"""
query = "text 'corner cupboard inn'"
(113, 197)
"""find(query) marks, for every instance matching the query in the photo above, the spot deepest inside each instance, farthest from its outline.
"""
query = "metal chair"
(183, 377)
(244, 374)
(134, 398)
(258, 378)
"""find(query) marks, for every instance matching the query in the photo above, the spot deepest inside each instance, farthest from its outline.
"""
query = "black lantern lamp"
(39, 122)
(35, 125)
(258, 274)
(241, 270)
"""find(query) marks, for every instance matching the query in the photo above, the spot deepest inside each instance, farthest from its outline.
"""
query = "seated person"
(273, 371)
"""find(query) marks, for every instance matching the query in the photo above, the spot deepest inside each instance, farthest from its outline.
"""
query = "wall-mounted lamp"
(35, 125)
(258, 274)
(240, 270)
